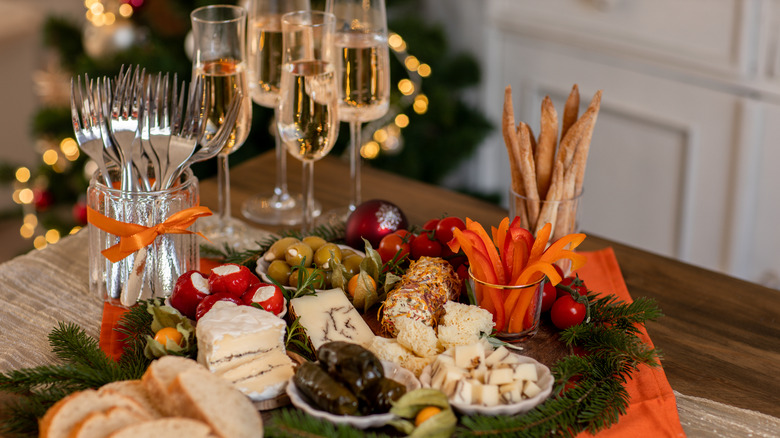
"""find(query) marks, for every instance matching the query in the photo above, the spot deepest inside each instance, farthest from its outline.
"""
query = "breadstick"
(522, 147)
(545, 151)
(566, 210)
(531, 131)
(570, 110)
(549, 210)
(572, 138)
(583, 148)
(508, 129)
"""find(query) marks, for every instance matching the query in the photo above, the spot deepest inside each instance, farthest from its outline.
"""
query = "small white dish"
(262, 267)
(392, 371)
(545, 382)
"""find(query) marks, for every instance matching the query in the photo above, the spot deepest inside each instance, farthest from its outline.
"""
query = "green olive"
(315, 242)
(326, 253)
(279, 271)
(298, 253)
(279, 248)
(346, 252)
(319, 282)
(352, 264)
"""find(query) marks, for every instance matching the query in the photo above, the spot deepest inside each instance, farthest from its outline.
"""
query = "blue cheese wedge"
(245, 345)
(330, 316)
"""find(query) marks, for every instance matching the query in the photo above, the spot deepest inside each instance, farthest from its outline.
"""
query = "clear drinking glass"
(364, 94)
(308, 105)
(151, 271)
(264, 62)
(219, 33)
(522, 306)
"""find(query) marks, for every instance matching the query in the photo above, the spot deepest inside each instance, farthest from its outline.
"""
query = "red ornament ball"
(374, 220)
(42, 199)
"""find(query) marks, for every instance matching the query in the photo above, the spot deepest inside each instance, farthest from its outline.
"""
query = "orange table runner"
(653, 408)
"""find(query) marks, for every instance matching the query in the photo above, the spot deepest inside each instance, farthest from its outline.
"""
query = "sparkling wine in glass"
(307, 120)
(219, 59)
(264, 55)
(364, 95)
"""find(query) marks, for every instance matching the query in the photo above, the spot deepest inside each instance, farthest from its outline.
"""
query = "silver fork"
(159, 126)
(87, 130)
(187, 128)
(124, 123)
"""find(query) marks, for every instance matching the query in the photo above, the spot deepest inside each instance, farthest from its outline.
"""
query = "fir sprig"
(293, 423)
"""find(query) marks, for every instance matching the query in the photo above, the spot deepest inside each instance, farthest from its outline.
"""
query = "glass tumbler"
(516, 309)
(151, 271)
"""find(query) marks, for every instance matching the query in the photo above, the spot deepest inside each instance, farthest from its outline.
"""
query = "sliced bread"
(101, 424)
(213, 400)
(134, 389)
(172, 427)
(61, 418)
(158, 378)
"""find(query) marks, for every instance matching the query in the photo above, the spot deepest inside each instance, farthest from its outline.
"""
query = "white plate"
(392, 371)
(262, 267)
(545, 382)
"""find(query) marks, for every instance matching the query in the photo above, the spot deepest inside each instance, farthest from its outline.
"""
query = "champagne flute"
(308, 109)
(219, 33)
(264, 54)
(364, 94)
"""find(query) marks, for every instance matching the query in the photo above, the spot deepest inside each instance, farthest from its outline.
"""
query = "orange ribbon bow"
(134, 236)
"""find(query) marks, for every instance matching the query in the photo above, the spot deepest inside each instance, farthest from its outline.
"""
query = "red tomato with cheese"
(231, 278)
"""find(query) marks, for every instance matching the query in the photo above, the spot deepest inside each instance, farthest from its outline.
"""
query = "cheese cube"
(479, 373)
(499, 376)
(469, 356)
(511, 392)
(463, 392)
(489, 395)
(476, 391)
(525, 371)
(498, 356)
(530, 389)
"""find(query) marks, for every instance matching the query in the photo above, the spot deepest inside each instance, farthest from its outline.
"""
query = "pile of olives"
(287, 254)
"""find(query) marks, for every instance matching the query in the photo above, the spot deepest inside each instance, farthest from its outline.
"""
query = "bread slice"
(158, 378)
(166, 427)
(102, 423)
(213, 400)
(134, 389)
(61, 418)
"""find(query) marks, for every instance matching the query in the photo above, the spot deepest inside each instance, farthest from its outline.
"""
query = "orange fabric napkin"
(653, 408)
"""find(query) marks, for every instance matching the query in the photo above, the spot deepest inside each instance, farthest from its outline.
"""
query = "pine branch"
(293, 423)
(71, 344)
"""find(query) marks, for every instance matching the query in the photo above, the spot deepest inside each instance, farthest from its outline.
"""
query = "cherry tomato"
(559, 270)
(574, 283)
(549, 294)
(431, 225)
(566, 312)
(391, 245)
(424, 246)
(446, 226)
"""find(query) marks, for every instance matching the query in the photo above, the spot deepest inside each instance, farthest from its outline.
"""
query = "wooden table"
(720, 337)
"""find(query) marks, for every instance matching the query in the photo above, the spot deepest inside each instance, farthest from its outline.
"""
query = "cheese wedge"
(330, 316)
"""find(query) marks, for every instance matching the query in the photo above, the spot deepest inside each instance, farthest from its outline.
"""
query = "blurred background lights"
(406, 87)
(402, 120)
(26, 196)
(411, 63)
(370, 150)
(424, 70)
(39, 242)
(52, 236)
(22, 174)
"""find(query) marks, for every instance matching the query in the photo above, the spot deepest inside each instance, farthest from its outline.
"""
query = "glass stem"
(280, 190)
(308, 202)
(354, 162)
(223, 187)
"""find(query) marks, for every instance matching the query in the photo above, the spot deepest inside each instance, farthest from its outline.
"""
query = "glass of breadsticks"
(548, 173)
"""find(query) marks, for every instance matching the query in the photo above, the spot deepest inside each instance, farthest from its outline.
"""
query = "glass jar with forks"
(143, 199)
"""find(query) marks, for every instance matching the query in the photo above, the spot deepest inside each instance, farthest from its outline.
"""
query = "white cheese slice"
(463, 392)
(500, 376)
(498, 355)
(330, 316)
(469, 356)
(490, 396)
(262, 379)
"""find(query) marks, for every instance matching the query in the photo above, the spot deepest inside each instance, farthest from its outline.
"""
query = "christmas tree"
(428, 131)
